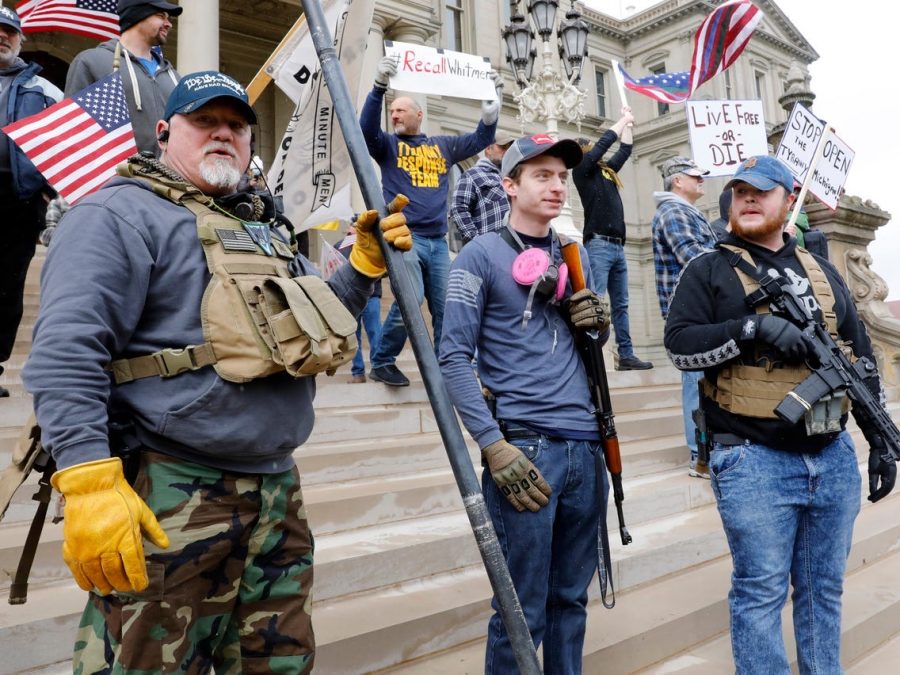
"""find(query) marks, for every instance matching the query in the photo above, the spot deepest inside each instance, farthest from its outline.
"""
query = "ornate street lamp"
(550, 96)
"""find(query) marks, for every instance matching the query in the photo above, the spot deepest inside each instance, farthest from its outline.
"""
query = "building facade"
(237, 37)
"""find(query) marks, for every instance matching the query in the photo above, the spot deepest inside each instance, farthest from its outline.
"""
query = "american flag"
(92, 18)
(717, 43)
(77, 143)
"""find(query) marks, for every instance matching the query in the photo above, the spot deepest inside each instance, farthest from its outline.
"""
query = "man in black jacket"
(788, 494)
(598, 186)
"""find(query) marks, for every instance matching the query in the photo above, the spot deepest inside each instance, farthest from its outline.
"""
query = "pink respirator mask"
(533, 268)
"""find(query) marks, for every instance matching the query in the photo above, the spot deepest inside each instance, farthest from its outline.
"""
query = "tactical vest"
(257, 319)
(755, 391)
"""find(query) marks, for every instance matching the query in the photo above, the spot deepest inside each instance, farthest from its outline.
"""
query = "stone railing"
(849, 231)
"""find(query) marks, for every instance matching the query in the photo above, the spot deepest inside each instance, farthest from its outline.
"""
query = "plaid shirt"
(479, 201)
(680, 234)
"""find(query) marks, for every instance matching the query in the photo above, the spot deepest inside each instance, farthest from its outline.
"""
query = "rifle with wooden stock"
(591, 349)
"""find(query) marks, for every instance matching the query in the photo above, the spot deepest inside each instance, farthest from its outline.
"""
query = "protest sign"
(725, 133)
(428, 70)
(803, 134)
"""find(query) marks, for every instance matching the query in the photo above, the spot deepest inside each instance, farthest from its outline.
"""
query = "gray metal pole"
(457, 452)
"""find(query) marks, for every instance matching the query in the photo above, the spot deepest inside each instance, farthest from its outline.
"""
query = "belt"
(516, 433)
(612, 240)
(728, 439)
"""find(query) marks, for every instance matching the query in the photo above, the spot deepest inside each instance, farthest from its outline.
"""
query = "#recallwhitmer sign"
(427, 70)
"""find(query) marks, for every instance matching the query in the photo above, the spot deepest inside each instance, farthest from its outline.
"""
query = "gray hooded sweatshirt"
(146, 94)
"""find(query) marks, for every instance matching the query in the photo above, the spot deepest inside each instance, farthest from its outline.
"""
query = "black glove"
(783, 335)
(882, 468)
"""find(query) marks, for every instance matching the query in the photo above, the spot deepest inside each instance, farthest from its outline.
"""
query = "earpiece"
(163, 136)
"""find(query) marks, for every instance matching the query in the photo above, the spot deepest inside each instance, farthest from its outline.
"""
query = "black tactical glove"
(783, 335)
(882, 468)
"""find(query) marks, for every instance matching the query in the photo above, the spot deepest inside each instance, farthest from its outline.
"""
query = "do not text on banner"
(725, 133)
(802, 135)
(427, 70)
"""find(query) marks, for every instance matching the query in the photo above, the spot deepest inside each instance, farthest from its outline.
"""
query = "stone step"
(420, 525)
(871, 615)
(877, 661)
(653, 621)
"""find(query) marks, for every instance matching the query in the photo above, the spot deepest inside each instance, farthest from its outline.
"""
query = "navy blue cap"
(764, 173)
(197, 89)
(529, 147)
(9, 18)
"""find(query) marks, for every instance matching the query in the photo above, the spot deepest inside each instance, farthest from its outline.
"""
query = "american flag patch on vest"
(235, 240)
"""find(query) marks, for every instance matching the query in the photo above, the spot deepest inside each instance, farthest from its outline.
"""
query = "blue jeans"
(690, 401)
(428, 264)
(551, 554)
(787, 517)
(370, 317)
(610, 272)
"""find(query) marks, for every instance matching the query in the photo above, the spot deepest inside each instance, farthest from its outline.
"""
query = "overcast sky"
(853, 82)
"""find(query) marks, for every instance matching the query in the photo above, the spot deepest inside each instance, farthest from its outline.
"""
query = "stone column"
(849, 231)
(198, 36)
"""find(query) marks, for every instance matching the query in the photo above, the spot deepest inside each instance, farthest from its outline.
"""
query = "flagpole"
(262, 78)
(457, 452)
(817, 157)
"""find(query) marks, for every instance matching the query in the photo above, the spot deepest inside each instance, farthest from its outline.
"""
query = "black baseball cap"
(529, 147)
(197, 89)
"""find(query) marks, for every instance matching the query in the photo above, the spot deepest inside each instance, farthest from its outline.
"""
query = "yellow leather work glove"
(588, 311)
(365, 256)
(104, 519)
(518, 479)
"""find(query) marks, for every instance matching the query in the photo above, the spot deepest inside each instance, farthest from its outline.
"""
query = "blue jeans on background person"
(371, 319)
(690, 401)
(428, 264)
(551, 554)
(610, 272)
(787, 516)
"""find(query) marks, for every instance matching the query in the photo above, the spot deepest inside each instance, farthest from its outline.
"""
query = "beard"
(760, 231)
(219, 171)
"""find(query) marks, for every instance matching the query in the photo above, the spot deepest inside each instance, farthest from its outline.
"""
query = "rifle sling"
(18, 591)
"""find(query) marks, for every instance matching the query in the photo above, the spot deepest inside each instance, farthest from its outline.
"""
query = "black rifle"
(832, 371)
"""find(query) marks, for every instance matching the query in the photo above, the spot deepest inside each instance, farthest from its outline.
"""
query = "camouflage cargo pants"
(232, 591)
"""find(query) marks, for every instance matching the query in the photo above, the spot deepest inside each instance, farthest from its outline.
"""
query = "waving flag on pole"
(92, 18)
(717, 43)
(77, 143)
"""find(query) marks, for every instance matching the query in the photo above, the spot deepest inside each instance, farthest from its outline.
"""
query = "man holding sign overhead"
(418, 165)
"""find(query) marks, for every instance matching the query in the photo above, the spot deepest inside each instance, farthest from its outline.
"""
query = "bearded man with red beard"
(788, 494)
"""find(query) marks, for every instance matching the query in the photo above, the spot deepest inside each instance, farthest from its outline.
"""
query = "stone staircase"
(399, 583)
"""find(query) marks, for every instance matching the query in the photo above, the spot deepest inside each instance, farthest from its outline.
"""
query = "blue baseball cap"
(197, 89)
(9, 18)
(529, 147)
(764, 173)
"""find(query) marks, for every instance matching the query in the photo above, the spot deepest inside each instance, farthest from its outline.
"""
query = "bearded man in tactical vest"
(172, 315)
(788, 494)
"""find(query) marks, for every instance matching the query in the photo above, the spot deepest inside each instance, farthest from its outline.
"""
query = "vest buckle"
(172, 362)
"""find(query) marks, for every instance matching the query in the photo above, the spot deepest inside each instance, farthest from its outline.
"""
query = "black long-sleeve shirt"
(603, 210)
(706, 324)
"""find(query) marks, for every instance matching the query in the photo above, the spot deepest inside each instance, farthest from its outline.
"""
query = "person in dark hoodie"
(788, 494)
(147, 76)
(720, 224)
(418, 165)
(23, 191)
